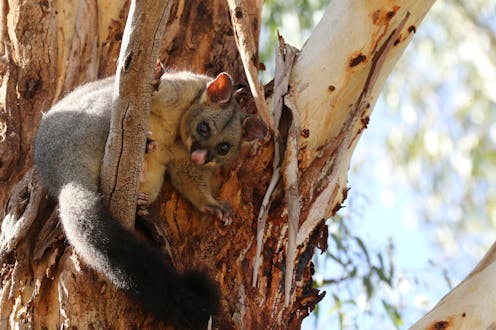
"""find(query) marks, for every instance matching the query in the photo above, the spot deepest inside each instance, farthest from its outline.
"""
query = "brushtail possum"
(196, 125)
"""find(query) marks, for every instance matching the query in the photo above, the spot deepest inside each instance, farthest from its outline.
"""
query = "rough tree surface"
(50, 47)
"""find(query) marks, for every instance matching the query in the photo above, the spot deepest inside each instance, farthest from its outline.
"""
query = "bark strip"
(285, 56)
(293, 199)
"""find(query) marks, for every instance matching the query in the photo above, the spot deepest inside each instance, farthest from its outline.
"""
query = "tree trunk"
(49, 47)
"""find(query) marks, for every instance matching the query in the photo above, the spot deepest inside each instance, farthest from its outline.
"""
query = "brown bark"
(44, 284)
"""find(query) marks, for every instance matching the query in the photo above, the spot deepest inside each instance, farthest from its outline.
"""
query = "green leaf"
(393, 314)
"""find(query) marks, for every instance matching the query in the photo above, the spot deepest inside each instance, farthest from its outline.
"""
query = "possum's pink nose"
(199, 156)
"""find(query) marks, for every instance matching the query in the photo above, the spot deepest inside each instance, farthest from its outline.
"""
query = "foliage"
(356, 274)
(293, 19)
(443, 89)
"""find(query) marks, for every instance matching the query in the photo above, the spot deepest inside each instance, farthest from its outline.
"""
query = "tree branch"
(335, 111)
(247, 47)
(470, 305)
(129, 122)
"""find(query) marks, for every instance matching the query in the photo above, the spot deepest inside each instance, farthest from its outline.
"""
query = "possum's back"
(70, 141)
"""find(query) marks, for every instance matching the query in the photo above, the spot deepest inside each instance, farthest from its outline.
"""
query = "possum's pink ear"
(220, 89)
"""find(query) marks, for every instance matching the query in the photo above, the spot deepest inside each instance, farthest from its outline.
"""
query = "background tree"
(330, 101)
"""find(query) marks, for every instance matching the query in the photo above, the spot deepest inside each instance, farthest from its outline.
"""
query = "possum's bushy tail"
(185, 301)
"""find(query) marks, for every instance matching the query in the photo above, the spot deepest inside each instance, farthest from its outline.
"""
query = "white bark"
(247, 45)
(351, 75)
(335, 93)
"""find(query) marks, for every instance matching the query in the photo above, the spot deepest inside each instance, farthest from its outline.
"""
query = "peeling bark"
(281, 81)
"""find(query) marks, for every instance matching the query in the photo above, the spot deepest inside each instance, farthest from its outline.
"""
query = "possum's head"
(213, 127)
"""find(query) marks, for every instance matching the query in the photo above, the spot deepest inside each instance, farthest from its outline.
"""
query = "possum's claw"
(151, 146)
(142, 203)
(142, 199)
(222, 211)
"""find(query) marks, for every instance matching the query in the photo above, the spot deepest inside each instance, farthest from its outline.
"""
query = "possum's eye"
(203, 129)
(223, 148)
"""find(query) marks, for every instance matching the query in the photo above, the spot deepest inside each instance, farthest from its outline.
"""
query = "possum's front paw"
(222, 211)
(142, 204)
